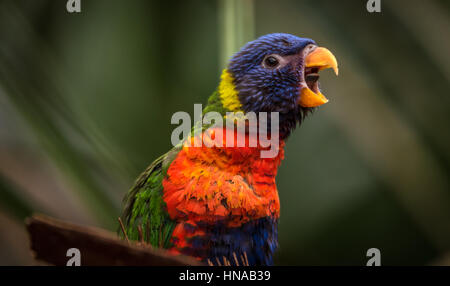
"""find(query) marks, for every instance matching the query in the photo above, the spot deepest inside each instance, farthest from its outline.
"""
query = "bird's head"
(276, 72)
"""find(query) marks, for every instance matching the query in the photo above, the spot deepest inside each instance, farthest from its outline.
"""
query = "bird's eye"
(273, 62)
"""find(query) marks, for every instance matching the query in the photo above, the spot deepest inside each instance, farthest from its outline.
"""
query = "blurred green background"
(86, 101)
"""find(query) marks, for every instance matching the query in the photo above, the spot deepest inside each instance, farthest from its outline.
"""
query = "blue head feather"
(263, 89)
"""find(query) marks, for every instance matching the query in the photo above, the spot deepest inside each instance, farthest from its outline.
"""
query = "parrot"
(220, 205)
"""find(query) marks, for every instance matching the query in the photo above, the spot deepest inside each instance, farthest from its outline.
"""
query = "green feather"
(215, 104)
(145, 207)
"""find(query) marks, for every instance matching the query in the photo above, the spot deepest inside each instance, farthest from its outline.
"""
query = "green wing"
(144, 205)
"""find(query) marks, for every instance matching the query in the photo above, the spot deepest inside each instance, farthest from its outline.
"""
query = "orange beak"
(319, 59)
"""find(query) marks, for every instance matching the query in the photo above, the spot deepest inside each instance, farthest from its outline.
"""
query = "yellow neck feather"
(228, 93)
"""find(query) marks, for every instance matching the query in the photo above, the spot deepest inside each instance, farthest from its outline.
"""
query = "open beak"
(317, 60)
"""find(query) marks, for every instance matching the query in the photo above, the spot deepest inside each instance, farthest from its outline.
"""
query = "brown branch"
(122, 227)
(51, 238)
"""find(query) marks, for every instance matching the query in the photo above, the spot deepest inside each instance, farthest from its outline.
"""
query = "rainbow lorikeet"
(220, 204)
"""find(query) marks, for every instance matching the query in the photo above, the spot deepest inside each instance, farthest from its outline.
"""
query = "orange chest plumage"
(231, 185)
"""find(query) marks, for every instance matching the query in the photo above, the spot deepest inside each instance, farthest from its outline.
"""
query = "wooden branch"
(51, 238)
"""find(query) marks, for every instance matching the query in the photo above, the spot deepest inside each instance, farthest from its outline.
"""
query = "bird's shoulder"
(143, 203)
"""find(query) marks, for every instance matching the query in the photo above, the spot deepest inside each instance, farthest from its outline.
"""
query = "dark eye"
(271, 62)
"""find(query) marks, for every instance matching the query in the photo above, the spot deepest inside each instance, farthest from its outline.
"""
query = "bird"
(220, 205)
